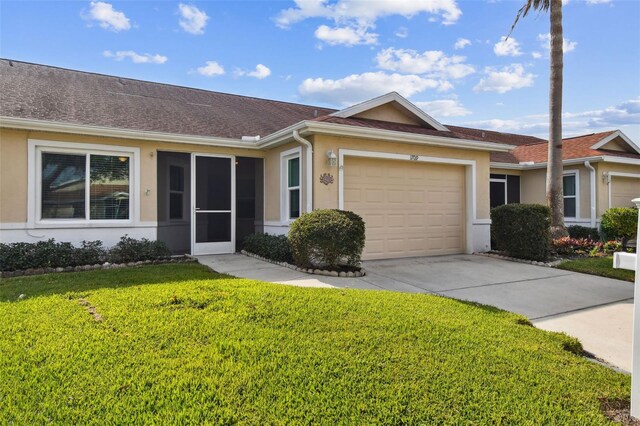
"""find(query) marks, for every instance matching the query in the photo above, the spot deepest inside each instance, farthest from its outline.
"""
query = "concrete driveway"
(596, 310)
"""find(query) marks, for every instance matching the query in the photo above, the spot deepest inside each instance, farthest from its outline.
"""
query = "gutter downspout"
(309, 169)
(592, 195)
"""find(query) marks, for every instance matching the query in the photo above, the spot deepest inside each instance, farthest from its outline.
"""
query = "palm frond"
(539, 5)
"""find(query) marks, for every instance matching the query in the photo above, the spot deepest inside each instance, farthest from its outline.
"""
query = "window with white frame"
(291, 186)
(570, 191)
(83, 185)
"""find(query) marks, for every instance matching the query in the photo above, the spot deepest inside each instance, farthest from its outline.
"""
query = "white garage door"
(410, 209)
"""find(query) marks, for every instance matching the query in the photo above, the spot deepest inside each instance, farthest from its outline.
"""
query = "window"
(176, 193)
(504, 189)
(291, 185)
(570, 190)
(83, 186)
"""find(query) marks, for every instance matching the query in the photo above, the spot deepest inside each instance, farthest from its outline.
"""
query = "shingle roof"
(575, 147)
(56, 94)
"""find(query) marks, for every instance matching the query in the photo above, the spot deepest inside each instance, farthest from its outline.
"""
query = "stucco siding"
(387, 113)
(14, 168)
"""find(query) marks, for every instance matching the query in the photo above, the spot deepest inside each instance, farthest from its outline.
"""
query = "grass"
(176, 344)
(602, 266)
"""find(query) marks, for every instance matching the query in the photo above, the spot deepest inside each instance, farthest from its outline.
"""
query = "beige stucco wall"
(13, 167)
(272, 181)
(602, 189)
(387, 112)
(533, 188)
(326, 196)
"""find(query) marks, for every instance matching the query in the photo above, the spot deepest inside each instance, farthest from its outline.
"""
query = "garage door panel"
(623, 190)
(409, 209)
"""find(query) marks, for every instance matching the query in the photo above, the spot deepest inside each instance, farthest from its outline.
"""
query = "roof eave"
(83, 129)
(570, 161)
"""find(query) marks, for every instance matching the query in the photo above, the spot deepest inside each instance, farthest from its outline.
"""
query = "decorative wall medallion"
(326, 178)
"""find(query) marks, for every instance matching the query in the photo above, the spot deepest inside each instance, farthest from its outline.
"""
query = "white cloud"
(402, 32)
(136, 58)
(433, 63)
(443, 108)
(360, 87)
(348, 36)
(107, 17)
(211, 69)
(536, 55)
(260, 72)
(362, 15)
(505, 79)
(507, 47)
(461, 43)
(625, 114)
(598, 1)
(567, 45)
(192, 19)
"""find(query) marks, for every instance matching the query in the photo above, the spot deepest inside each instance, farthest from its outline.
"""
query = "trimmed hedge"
(522, 230)
(620, 223)
(52, 254)
(331, 239)
(583, 232)
(274, 247)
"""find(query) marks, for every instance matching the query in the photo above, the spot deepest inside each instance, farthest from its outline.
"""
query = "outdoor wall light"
(332, 159)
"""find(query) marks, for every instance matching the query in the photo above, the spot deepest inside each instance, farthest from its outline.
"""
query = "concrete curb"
(324, 272)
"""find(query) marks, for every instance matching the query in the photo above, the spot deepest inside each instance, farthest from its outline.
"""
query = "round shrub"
(327, 238)
(579, 232)
(620, 223)
(522, 230)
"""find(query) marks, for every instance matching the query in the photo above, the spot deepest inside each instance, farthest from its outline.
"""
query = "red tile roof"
(575, 147)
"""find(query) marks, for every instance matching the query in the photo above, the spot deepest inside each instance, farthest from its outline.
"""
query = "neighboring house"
(601, 170)
(92, 157)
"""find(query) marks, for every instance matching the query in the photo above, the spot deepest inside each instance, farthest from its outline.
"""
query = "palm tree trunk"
(554, 165)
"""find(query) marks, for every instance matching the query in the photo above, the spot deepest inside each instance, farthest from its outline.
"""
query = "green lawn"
(602, 266)
(175, 344)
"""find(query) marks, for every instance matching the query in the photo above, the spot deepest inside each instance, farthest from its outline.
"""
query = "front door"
(213, 201)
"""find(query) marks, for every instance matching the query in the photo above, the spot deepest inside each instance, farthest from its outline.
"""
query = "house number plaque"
(413, 157)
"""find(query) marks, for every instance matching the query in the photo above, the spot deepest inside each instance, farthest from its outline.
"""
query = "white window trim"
(34, 183)
(470, 183)
(285, 156)
(575, 173)
(502, 181)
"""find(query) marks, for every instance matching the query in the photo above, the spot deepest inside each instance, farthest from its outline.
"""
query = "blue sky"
(445, 55)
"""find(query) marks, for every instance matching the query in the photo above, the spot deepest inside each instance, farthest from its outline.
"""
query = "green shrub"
(52, 254)
(274, 247)
(327, 238)
(522, 230)
(132, 250)
(580, 232)
(620, 223)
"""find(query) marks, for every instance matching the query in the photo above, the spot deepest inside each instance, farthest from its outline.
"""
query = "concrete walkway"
(596, 310)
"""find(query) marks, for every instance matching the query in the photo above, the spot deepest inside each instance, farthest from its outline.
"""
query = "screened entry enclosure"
(208, 204)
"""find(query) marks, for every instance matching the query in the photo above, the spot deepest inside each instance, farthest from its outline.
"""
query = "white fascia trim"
(82, 129)
(470, 182)
(34, 183)
(621, 160)
(614, 135)
(385, 99)
(620, 174)
(573, 161)
(403, 137)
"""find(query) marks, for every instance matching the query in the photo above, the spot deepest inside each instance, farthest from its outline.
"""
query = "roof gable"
(617, 141)
(393, 108)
